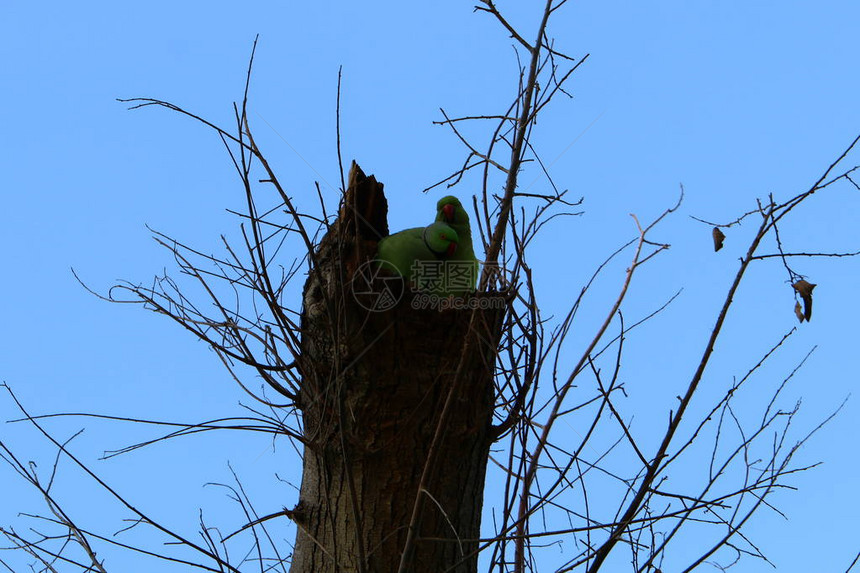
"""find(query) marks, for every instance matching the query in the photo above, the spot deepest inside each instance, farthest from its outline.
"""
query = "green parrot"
(399, 253)
(463, 272)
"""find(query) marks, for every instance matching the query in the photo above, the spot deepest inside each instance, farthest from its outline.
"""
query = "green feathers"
(439, 258)
(463, 269)
(412, 252)
(449, 210)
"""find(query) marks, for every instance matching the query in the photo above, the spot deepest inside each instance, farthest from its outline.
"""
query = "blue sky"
(734, 101)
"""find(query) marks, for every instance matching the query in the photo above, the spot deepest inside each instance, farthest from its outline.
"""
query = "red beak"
(448, 211)
(451, 248)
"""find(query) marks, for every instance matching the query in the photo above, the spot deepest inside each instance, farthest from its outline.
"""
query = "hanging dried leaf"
(798, 312)
(804, 289)
(718, 239)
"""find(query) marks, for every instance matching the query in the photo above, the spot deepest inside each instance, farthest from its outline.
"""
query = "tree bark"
(373, 388)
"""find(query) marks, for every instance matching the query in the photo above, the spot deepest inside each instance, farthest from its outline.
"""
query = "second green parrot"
(463, 266)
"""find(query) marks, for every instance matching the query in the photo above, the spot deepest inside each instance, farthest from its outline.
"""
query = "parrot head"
(447, 209)
(441, 239)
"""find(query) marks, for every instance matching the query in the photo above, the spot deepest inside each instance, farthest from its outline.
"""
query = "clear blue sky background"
(734, 100)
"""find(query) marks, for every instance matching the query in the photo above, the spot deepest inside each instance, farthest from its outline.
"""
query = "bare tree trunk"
(374, 384)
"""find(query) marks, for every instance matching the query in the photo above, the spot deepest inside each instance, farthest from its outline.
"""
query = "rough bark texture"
(374, 386)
